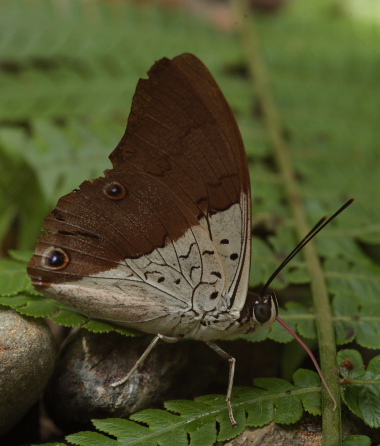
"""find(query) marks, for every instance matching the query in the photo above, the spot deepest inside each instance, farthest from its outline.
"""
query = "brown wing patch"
(182, 130)
(99, 232)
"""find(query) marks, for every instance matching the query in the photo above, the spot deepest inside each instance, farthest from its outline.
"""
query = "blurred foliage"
(67, 83)
(68, 70)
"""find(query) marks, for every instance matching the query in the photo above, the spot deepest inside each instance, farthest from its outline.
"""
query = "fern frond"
(205, 420)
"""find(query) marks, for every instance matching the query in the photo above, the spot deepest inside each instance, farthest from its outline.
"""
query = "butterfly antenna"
(293, 253)
(317, 228)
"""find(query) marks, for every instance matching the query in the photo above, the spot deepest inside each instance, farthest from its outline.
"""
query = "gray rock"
(27, 355)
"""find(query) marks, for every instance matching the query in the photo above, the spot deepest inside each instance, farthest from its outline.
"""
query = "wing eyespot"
(234, 256)
(115, 191)
(57, 259)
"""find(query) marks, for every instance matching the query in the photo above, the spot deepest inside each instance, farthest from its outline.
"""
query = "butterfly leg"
(231, 361)
(144, 355)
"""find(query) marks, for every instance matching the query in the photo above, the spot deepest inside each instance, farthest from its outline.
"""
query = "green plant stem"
(330, 418)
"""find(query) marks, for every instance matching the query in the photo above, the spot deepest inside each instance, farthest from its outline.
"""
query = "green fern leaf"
(361, 386)
(299, 318)
(357, 317)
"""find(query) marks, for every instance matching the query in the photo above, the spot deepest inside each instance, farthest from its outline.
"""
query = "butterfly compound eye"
(57, 259)
(115, 191)
(263, 312)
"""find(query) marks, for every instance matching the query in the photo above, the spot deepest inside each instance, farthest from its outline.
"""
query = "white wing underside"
(174, 287)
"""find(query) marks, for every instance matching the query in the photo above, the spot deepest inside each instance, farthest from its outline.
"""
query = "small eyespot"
(224, 241)
(115, 191)
(161, 279)
(57, 259)
(214, 295)
(234, 256)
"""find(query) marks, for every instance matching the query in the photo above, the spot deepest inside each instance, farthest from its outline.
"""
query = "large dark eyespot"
(57, 259)
(115, 191)
(263, 312)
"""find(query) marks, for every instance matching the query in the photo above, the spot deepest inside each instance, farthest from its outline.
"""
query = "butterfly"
(162, 242)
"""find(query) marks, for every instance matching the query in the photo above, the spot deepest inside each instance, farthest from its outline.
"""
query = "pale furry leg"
(144, 355)
(231, 361)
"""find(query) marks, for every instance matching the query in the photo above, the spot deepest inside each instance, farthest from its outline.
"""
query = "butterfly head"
(265, 309)
(259, 311)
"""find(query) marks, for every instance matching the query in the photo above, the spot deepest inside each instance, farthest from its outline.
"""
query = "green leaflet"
(31, 305)
(105, 327)
(357, 440)
(69, 318)
(12, 277)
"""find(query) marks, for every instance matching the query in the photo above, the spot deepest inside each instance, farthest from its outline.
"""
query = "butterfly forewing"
(166, 232)
(182, 130)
